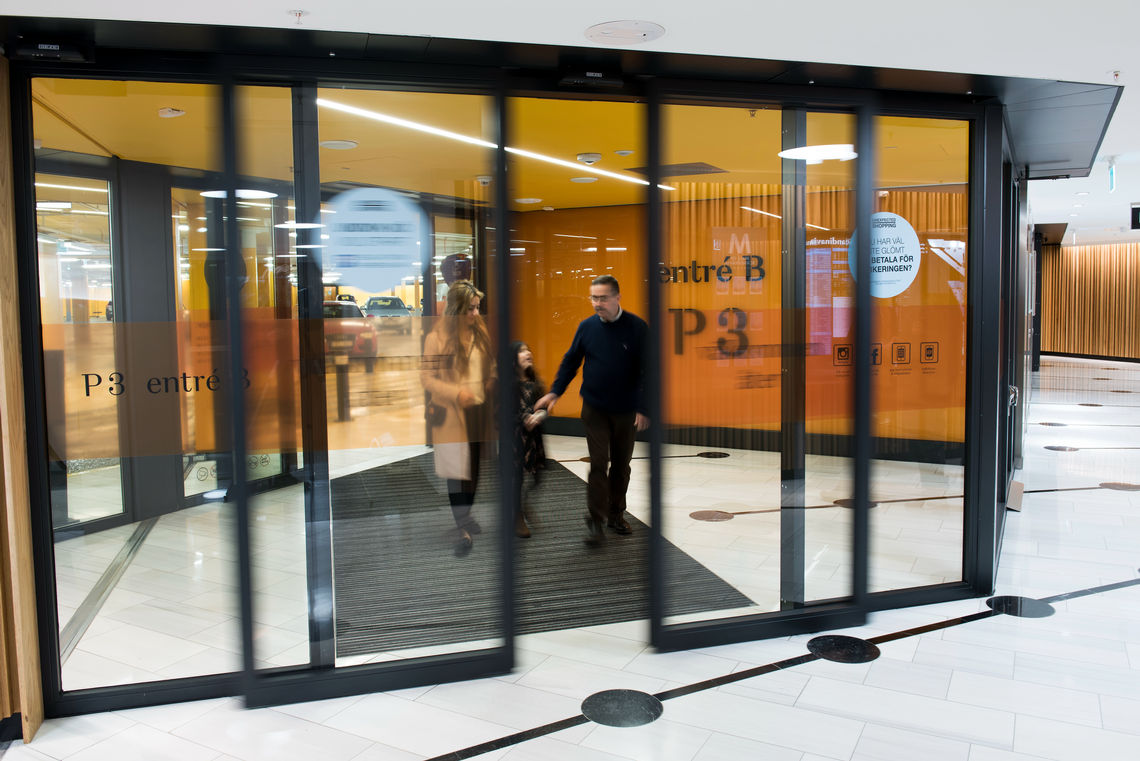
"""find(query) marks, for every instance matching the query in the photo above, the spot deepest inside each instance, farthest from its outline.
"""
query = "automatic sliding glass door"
(758, 353)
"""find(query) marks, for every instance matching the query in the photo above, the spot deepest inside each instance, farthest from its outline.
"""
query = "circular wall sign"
(374, 239)
(895, 255)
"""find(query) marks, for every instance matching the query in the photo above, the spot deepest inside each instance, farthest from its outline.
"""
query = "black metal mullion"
(234, 270)
(314, 411)
(509, 475)
(861, 475)
(654, 259)
(793, 302)
(985, 398)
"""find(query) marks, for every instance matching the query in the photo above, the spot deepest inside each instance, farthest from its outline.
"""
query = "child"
(530, 454)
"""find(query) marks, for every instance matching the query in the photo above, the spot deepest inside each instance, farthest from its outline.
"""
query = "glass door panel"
(918, 292)
(405, 203)
(721, 278)
(578, 202)
(828, 335)
(757, 467)
(145, 582)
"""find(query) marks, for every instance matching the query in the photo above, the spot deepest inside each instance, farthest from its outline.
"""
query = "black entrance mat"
(398, 584)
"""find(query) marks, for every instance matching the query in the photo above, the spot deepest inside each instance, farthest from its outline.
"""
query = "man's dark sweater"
(613, 379)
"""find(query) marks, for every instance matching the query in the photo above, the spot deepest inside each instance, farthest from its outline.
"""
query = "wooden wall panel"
(20, 687)
(1090, 300)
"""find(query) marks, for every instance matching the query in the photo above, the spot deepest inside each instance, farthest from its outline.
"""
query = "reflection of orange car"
(347, 330)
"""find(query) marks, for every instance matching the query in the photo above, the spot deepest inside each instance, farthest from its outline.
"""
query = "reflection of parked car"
(347, 330)
(109, 312)
(391, 312)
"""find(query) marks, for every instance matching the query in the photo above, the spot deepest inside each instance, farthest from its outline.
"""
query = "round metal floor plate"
(622, 708)
(843, 649)
(1055, 425)
(712, 455)
(712, 516)
(1022, 607)
(1062, 449)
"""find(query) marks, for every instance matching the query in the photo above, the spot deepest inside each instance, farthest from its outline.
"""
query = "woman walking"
(458, 372)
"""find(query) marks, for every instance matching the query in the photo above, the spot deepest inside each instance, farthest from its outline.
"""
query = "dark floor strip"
(1067, 488)
(79, 622)
(926, 628)
(769, 668)
(1091, 591)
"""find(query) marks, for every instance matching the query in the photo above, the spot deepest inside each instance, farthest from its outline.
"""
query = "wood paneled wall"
(20, 687)
(1090, 300)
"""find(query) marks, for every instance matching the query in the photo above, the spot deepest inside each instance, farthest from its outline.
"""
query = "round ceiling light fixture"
(626, 32)
(339, 145)
(528, 200)
(583, 179)
(170, 113)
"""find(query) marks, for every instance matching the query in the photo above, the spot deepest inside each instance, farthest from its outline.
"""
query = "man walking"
(613, 344)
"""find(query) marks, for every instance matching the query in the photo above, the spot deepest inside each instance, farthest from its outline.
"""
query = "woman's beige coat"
(443, 383)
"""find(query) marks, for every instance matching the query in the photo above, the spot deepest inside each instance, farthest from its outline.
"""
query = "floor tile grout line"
(515, 739)
(546, 729)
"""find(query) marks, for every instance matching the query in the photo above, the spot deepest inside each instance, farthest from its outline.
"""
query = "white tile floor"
(998, 689)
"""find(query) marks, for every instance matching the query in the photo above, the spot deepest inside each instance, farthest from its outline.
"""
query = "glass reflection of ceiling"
(121, 119)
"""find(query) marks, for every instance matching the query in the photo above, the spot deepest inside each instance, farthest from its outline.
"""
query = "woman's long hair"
(452, 326)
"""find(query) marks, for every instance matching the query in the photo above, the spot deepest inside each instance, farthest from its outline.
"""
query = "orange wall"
(709, 380)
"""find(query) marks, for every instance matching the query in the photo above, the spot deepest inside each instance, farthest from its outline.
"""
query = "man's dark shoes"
(596, 536)
(620, 526)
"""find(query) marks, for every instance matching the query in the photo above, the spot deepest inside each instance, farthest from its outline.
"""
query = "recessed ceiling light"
(624, 152)
(170, 113)
(240, 193)
(528, 200)
(291, 225)
(583, 179)
(625, 32)
(1082, 192)
(339, 145)
(548, 208)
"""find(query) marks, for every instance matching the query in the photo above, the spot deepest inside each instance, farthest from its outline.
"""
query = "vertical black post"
(655, 387)
(793, 328)
(1038, 245)
(509, 475)
(986, 396)
(861, 476)
(234, 269)
(314, 413)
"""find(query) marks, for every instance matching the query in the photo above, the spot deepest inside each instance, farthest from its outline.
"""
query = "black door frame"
(283, 685)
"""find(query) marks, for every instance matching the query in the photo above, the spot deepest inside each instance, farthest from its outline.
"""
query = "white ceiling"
(1046, 39)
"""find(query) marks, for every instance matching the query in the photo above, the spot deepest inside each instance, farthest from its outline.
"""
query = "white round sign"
(895, 255)
(374, 238)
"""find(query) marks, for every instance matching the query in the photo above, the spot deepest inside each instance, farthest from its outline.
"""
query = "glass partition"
(918, 290)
